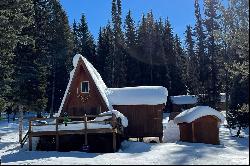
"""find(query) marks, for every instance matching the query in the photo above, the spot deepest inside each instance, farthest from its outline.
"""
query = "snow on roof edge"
(197, 112)
(184, 99)
(95, 75)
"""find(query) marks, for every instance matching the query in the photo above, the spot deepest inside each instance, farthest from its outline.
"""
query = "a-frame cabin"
(87, 93)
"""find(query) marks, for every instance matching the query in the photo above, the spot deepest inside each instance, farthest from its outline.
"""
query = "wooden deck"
(115, 128)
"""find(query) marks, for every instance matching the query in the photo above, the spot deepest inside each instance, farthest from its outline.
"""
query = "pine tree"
(108, 54)
(200, 51)
(142, 56)
(87, 45)
(132, 62)
(175, 85)
(192, 63)
(234, 36)
(60, 49)
(28, 72)
(211, 23)
(76, 41)
(12, 22)
(118, 63)
(238, 114)
(159, 59)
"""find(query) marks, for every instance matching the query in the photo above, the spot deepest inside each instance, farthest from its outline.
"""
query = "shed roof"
(141, 95)
(194, 113)
(184, 99)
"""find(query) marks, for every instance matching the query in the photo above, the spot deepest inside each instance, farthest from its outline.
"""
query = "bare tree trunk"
(20, 123)
(53, 96)
(53, 89)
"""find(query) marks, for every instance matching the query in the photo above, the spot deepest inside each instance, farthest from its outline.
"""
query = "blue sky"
(98, 12)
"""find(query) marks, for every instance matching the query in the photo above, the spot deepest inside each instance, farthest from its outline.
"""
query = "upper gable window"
(85, 87)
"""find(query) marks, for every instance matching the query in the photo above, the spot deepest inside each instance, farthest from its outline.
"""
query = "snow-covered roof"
(184, 99)
(141, 95)
(101, 86)
(194, 113)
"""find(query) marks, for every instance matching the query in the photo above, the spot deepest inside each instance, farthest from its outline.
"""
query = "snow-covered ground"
(231, 151)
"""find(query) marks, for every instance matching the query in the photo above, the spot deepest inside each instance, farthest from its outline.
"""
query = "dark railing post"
(114, 132)
(57, 136)
(86, 130)
(30, 135)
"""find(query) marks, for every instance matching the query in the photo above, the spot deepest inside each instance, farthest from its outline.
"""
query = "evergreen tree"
(60, 53)
(234, 36)
(238, 114)
(160, 73)
(76, 41)
(211, 23)
(119, 57)
(192, 68)
(28, 72)
(132, 62)
(200, 51)
(176, 85)
(142, 56)
(87, 45)
(14, 17)
(108, 54)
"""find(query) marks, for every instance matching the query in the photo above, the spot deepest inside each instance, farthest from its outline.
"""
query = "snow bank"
(184, 99)
(141, 95)
(124, 119)
(171, 132)
(194, 113)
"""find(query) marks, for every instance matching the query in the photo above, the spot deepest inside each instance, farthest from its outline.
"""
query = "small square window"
(85, 87)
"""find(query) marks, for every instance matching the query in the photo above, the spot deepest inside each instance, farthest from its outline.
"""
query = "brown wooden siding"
(78, 104)
(205, 130)
(143, 120)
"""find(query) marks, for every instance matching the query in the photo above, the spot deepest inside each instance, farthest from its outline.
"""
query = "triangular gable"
(94, 75)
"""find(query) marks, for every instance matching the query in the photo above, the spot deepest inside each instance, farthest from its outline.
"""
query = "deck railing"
(85, 120)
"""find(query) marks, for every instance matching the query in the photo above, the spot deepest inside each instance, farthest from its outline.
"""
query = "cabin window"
(85, 87)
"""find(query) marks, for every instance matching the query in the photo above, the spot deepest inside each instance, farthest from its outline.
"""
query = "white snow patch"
(78, 126)
(194, 113)
(184, 99)
(232, 151)
(171, 132)
(141, 95)
(124, 120)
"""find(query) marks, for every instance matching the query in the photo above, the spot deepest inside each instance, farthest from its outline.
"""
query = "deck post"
(114, 132)
(193, 134)
(114, 141)
(30, 137)
(160, 139)
(57, 136)
(85, 126)
(30, 142)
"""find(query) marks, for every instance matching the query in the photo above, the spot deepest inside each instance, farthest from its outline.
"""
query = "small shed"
(199, 124)
(143, 106)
